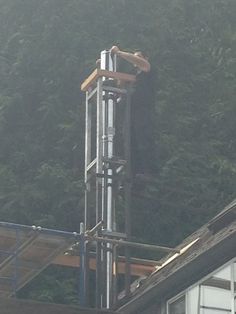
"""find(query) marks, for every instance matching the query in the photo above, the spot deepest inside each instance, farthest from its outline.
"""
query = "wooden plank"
(119, 76)
(89, 80)
(74, 261)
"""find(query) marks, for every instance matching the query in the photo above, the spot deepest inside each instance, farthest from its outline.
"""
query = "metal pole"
(16, 268)
(99, 189)
(39, 229)
(127, 185)
(134, 244)
(82, 278)
(88, 119)
(108, 63)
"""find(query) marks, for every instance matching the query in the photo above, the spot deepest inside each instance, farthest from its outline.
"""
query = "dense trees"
(47, 49)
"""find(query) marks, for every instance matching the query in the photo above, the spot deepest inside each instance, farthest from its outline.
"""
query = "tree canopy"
(48, 47)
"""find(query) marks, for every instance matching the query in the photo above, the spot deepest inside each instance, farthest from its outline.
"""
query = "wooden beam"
(74, 261)
(89, 80)
(119, 76)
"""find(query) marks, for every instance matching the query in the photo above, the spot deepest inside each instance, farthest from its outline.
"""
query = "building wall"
(214, 250)
(215, 293)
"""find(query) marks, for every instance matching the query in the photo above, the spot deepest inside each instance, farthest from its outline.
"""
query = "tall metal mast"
(107, 165)
(99, 154)
(108, 63)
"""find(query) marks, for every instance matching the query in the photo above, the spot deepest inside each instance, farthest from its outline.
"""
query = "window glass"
(177, 306)
(224, 274)
(215, 292)
(215, 295)
(192, 300)
(215, 298)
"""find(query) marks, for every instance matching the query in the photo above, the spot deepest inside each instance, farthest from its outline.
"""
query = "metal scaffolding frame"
(107, 166)
(25, 251)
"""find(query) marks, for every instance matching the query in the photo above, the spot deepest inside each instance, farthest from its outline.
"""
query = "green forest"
(49, 47)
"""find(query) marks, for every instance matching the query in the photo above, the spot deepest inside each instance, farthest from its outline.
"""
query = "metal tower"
(107, 168)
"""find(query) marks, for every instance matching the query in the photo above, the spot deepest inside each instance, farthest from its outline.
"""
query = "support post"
(99, 190)
(83, 267)
(128, 183)
(108, 63)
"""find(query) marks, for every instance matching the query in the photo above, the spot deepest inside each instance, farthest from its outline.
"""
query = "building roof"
(201, 253)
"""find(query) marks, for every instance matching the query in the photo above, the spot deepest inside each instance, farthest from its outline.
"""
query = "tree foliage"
(48, 48)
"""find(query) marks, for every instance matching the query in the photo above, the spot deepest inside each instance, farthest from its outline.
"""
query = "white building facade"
(216, 293)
